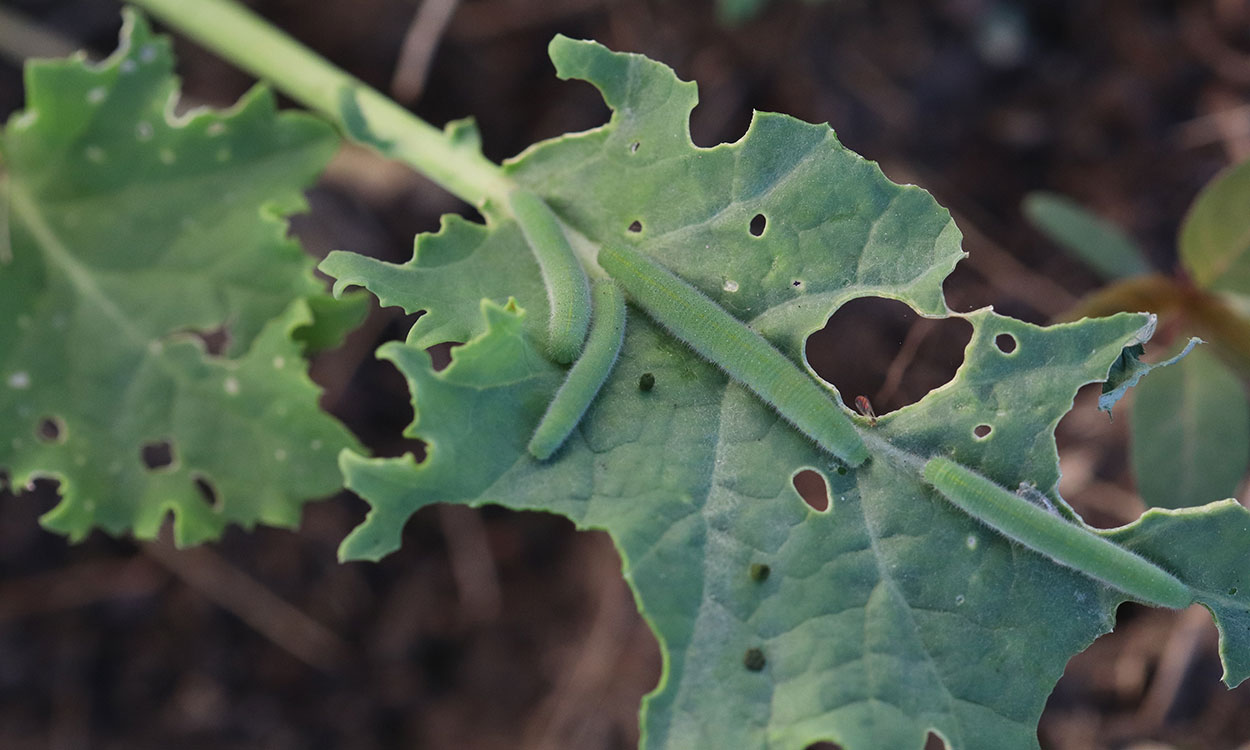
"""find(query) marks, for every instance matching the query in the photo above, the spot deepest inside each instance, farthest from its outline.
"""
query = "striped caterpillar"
(568, 291)
(742, 353)
(588, 373)
(1062, 541)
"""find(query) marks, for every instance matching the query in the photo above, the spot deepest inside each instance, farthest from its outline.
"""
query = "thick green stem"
(252, 43)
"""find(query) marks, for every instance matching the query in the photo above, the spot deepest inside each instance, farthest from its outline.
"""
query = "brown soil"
(495, 629)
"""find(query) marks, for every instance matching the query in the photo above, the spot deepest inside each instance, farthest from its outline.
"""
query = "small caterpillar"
(568, 291)
(743, 354)
(1064, 542)
(586, 376)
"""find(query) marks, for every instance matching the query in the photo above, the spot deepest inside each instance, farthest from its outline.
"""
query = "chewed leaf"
(885, 615)
(1128, 369)
(132, 234)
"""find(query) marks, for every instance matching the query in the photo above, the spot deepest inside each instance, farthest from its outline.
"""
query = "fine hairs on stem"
(588, 373)
(568, 291)
(743, 354)
(1051, 535)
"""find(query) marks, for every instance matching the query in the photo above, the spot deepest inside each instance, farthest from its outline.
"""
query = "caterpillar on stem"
(588, 373)
(743, 354)
(1060, 540)
(568, 291)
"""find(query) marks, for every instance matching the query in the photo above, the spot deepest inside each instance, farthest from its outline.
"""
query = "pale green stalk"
(252, 43)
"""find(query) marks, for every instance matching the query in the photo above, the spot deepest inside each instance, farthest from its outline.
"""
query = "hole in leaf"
(934, 742)
(646, 381)
(214, 340)
(882, 349)
(633, 147)
(796, 283)
(636, 226)
(759, 572)
(51, 430)
(812, 488)
(440, 354)
(157, 455)
(982, 431)
(758, 223)
(825, 745)
(207, 492)
(1005, 342)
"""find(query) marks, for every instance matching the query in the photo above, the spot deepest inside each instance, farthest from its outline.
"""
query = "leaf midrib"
(60, 257)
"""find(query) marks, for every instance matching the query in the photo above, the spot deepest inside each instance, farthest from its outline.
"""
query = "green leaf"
(1214, 241)
(1190, 433)
(887, 615)
(130, 230)
(1103, 246)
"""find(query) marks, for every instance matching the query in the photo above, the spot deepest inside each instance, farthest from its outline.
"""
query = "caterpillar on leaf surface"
(588, 373)
(743, 354)
(1055, 537)
(568, 291)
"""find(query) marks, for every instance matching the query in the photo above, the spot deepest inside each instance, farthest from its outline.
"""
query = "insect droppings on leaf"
(760, 572)
(646, 381)
(753, 659)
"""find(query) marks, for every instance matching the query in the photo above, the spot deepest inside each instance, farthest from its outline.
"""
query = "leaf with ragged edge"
(130, 229)
(1214, 242)
(887, 615)
(1128, 369)
(1190, 433)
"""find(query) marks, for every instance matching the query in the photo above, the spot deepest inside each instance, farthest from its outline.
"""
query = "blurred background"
(493, 629)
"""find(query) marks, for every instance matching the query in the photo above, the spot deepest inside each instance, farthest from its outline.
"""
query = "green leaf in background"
(1101, 245)
(1190, 433)
(1215, 235)
(129, 230)
(886, 614)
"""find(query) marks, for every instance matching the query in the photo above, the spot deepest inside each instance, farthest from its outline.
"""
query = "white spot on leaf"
(279, 454)
(19, 380)
(279, 363)
(128, 66)
(94, 154)
(971, 541)
(147, 53)
(167, 156)
(97, 95)
(731, 285)
(144, 131)
(231, 385)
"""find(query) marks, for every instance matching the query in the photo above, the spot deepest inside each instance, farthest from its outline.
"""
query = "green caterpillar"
(1060, 540)
(568, 291)
(587, 374)
(742, 353)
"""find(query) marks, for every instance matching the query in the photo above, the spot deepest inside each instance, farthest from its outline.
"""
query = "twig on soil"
(420, 44)
(235, 591)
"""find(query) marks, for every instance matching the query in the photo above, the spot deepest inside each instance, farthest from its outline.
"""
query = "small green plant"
(1190, 423)
(925, 598)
